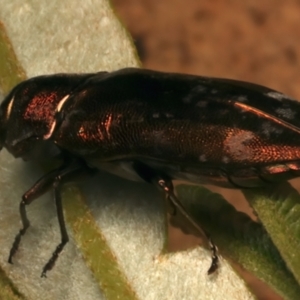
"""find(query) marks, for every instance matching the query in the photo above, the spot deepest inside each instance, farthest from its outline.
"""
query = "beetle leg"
(261, 177)
(61, 220)
(168, 188)
(239, 186)
(51, 179)
(164, 183)
(230, 180)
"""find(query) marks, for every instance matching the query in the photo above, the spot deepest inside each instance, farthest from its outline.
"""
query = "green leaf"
(278, 208)
(246, 242)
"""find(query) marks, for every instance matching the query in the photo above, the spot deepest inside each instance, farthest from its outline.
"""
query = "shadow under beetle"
(153, 126)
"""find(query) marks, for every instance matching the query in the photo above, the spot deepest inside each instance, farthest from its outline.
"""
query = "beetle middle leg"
(165, 184)
(53, 180)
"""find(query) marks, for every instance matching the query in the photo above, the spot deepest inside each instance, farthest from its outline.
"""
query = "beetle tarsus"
(50, 264)
(215, 258)
(16, 243)
(22, 231)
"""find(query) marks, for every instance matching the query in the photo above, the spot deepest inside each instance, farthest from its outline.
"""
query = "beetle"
(151, 126)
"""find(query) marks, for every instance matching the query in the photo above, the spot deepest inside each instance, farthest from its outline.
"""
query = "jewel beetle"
(151, 126)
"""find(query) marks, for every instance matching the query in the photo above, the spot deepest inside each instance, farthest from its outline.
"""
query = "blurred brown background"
(256, 41)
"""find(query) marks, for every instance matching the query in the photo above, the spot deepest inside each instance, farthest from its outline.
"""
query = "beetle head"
(28, 112)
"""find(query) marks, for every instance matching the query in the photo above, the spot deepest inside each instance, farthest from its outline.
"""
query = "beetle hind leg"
(168, 188)
(165, 184)
(214, 259)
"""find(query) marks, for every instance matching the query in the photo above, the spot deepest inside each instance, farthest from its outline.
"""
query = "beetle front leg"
(165, 183)
(26, 224)
(51, 180)
(63, 231)
(38, 189)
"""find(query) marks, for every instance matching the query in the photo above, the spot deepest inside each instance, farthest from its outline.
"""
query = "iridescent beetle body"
(154, 126)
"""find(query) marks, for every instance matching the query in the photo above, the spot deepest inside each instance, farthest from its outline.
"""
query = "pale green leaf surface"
(246, 242)
(84, 36)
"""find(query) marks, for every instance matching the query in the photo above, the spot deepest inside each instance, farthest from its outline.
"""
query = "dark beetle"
(152, 126)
